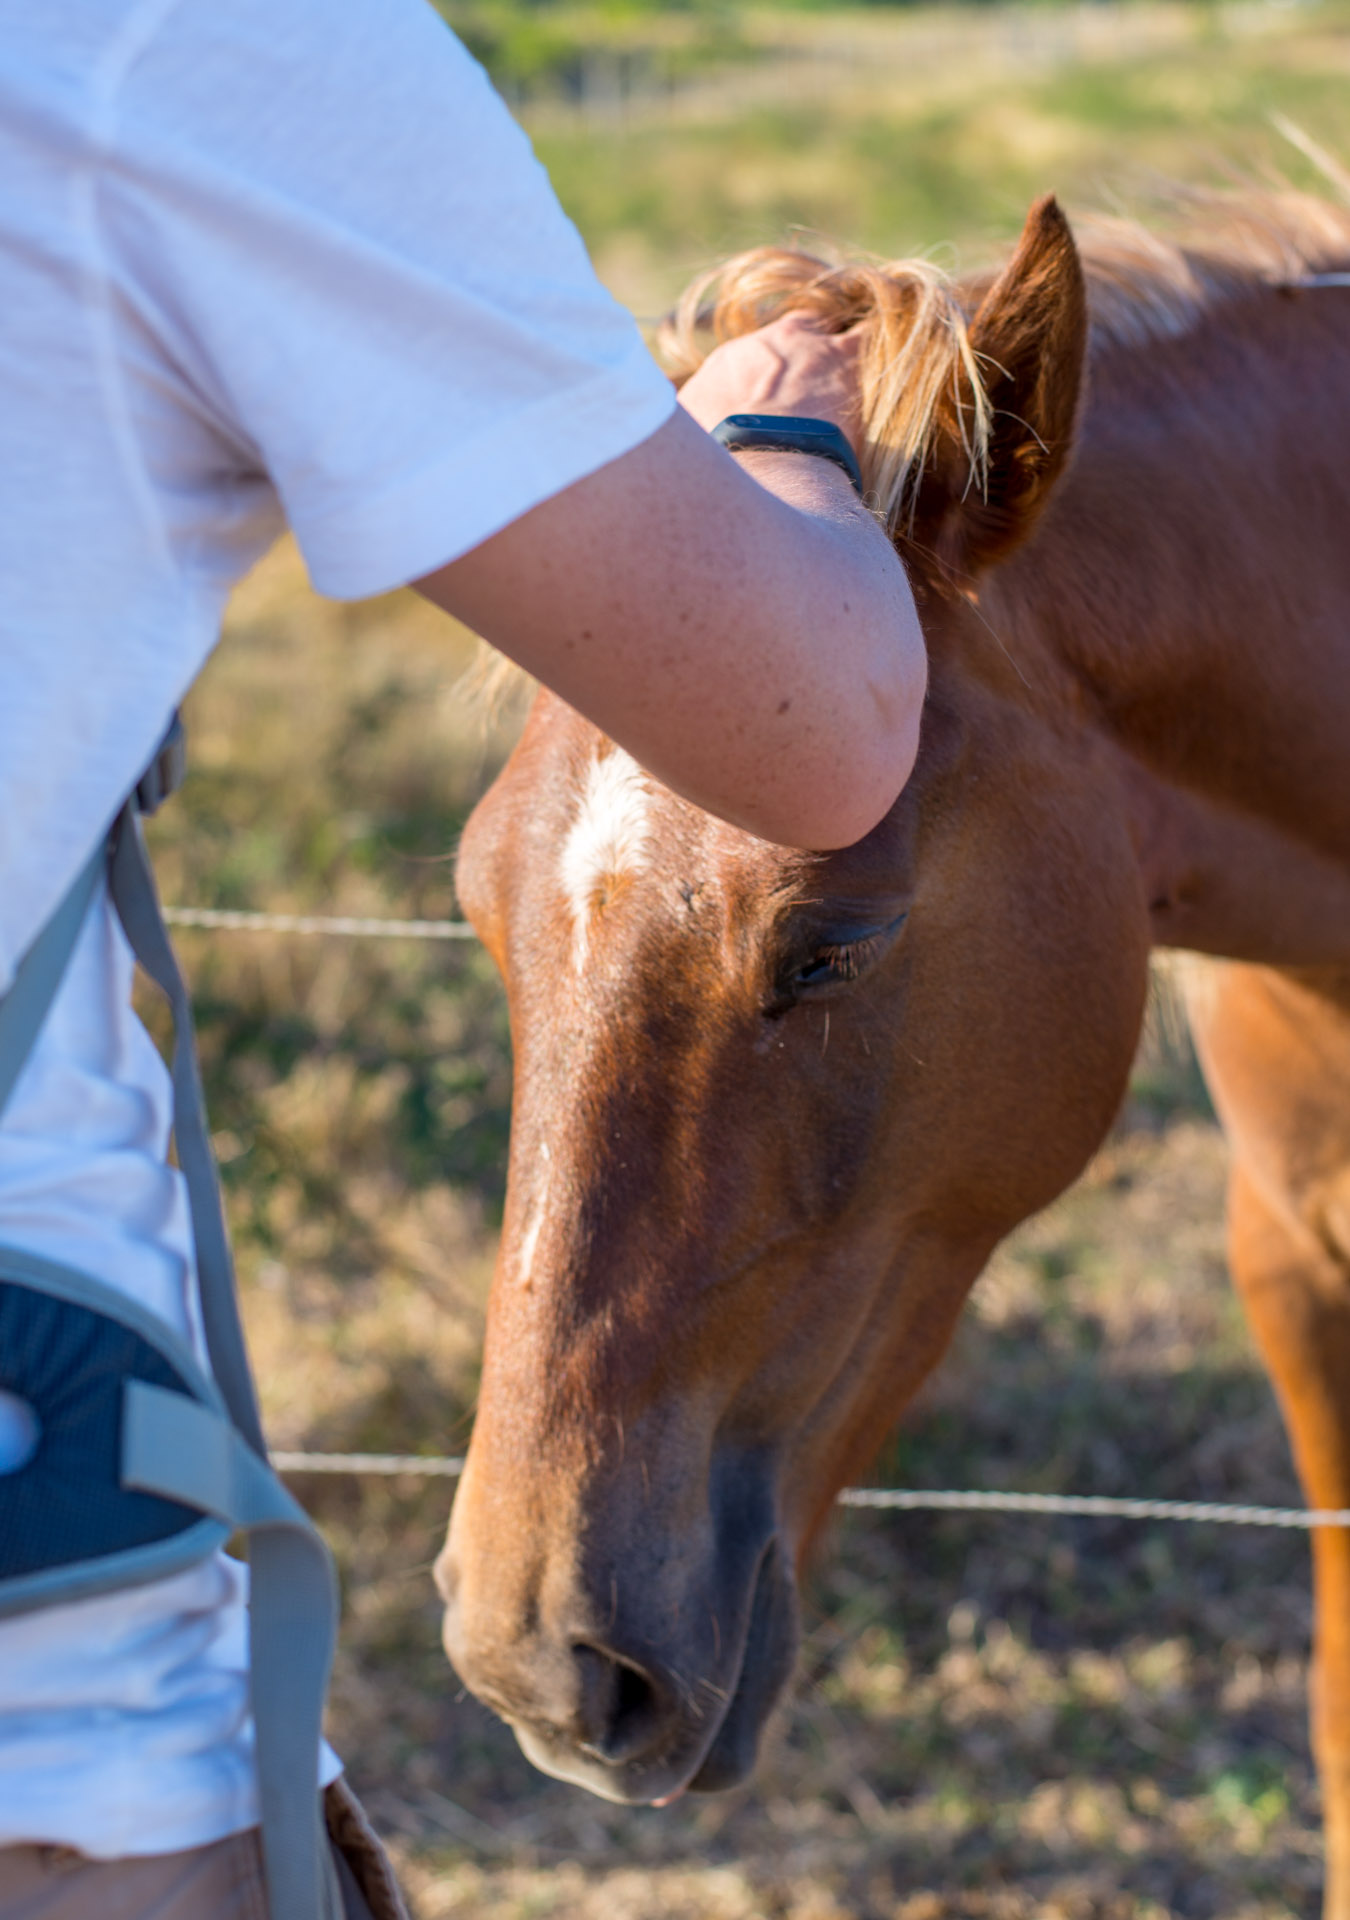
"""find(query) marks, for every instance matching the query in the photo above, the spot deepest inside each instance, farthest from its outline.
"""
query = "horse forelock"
(608, 842)
(918, 368)
(920, 375)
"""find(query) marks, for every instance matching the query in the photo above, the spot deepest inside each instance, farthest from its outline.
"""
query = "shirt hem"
(404, 532)
(156, 1837)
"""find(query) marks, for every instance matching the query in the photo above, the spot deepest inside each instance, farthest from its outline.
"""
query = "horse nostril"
(619, 1712)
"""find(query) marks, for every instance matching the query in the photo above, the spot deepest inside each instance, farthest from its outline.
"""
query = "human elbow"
(870, 784)
(879, 738)
(872, 756)
(883, 745)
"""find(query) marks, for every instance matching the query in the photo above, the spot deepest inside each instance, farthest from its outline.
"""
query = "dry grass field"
(995, 1718)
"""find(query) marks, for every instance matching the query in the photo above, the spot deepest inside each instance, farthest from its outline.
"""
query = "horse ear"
(1030, 338)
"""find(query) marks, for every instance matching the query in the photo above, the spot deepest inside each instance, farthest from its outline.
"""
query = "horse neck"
(1192, 578)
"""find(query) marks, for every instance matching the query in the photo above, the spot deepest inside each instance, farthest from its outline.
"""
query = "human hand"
(790, 366)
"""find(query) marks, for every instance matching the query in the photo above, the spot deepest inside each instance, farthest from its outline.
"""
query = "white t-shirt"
(260, 262)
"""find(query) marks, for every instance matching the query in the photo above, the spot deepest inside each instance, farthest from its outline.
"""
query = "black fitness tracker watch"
(789, 433)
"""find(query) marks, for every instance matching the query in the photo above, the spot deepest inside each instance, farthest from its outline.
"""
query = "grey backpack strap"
(181, 1450)
(41, 971)
(137, 902)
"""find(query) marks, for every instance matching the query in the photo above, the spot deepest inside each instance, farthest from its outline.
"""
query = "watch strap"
(789, 433)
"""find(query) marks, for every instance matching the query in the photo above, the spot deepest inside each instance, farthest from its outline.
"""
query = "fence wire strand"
(1078, 1506)
(227, 920)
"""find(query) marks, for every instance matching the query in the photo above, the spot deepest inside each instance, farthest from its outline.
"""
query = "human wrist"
(813, 486)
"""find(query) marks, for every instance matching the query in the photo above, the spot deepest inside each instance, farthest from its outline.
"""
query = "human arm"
(741, 625)
(379, 323)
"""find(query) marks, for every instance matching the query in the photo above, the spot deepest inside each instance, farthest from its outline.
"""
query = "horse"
(773, 1110)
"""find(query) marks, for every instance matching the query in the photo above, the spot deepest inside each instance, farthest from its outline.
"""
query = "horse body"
(1191, 583)
(774, 1110)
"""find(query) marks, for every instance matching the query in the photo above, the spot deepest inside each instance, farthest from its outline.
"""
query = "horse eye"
(828, 966)
(834, 963)
(831, 963)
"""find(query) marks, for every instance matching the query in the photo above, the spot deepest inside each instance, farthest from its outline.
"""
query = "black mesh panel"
(66, 1505)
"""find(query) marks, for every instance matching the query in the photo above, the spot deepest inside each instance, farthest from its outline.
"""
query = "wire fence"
(1062, 1506)
(873, 1499)
(227, 920)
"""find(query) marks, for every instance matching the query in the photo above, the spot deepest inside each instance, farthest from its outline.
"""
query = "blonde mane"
(918, 367)
(920, 373)
(921, 376)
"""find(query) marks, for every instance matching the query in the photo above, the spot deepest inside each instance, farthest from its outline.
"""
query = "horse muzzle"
(639, 1674)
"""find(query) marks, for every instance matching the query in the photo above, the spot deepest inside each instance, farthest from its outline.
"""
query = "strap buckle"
(165, 774)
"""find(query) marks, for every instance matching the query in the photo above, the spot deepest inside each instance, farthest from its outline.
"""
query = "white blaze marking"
(530, 1238)
(607, 843)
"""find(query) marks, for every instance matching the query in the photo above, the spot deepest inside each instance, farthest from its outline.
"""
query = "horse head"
(773, 1109)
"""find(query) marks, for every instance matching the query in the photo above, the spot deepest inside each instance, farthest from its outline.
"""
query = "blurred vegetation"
(676, 134)
(994, 1718)
(553, 50)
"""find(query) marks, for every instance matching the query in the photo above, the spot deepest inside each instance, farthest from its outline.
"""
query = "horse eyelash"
(846, 959)
(849, 956)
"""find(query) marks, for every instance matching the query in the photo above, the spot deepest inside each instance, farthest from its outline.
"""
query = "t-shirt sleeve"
(326, 221)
